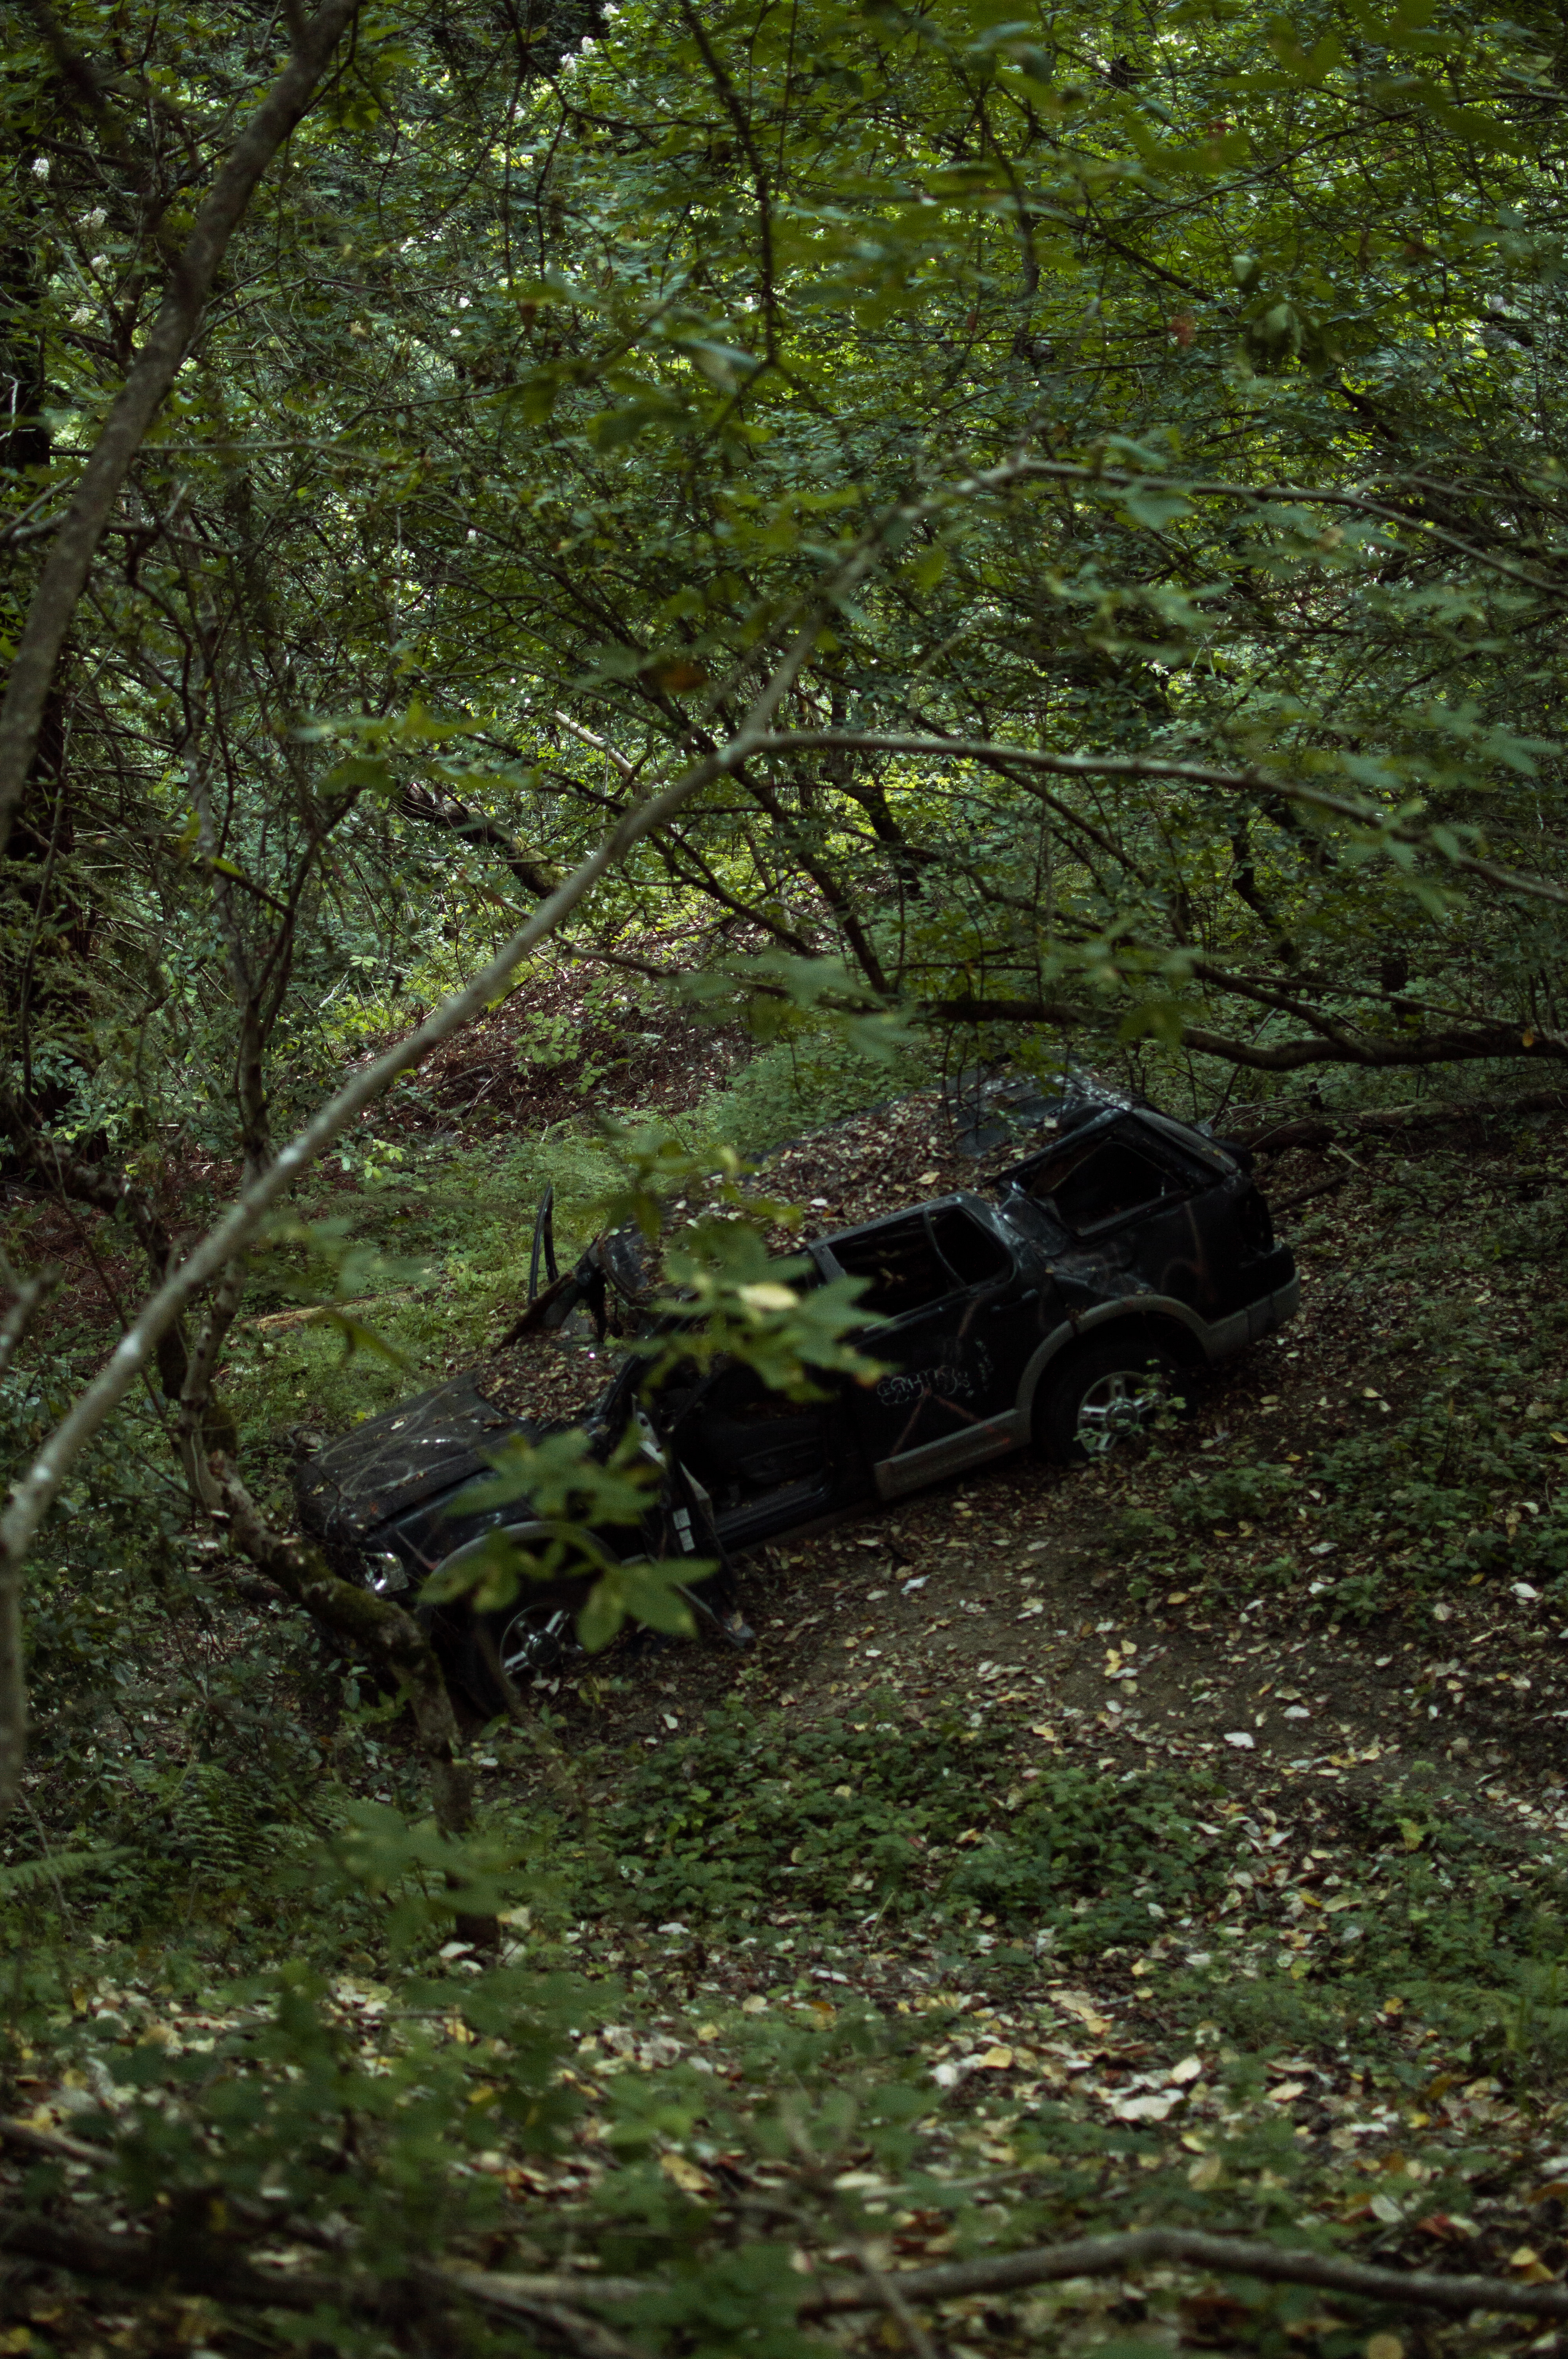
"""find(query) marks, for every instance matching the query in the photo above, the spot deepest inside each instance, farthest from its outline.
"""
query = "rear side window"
(922, 1258)
(1107, 1181)
(971, 1251)
(903, 1264)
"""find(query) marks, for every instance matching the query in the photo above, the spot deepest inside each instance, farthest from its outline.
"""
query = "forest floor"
(1186, 1838)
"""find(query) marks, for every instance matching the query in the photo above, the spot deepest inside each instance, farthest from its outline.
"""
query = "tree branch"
(1198, 773)
(237, 1228)
(66, 569)
(1235, 2256)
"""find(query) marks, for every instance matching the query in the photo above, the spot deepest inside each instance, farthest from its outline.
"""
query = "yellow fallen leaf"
(1079, 2002)
(1206, 2172)
(1187, 2069)
(1287, 2091)
(755, 2005)
(995, 2060)
(687, 2177)
(1523, 2256)
(1383, 2346)
(708, 2032)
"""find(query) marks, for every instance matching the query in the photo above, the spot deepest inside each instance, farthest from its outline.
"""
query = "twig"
(1237, 2256)
(521, 2298)
(29, 1293)
(148, 2260)
(50, 2142)
(888, 2292)
(599, 744)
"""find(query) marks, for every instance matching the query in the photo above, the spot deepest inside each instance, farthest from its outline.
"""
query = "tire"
(528, 1641)
(1102, 1397)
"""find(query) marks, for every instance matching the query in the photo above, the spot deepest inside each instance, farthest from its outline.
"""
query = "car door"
(957, 1327)
(766, 1462)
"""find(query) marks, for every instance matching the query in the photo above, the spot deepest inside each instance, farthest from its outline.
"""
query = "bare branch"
(1235, 2256)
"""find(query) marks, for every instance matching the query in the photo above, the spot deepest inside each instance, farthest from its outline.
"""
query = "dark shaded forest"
(652, 635)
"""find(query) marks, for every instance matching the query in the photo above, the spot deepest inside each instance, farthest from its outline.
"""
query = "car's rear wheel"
(1104, 1396)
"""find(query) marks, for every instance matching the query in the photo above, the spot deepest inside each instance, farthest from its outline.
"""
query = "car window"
(971, 1251)
(922, 1258)
(1104, 1184)
(902, 1263)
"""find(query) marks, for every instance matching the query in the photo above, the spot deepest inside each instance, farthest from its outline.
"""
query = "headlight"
(387, 1574)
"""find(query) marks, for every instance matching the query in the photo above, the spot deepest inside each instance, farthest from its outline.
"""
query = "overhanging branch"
(1265, 784)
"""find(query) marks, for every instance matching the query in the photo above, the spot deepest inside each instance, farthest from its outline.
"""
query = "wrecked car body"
(1060, 1308)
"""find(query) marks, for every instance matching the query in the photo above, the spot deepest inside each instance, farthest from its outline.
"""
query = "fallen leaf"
(1206, 2172)
(1241, 1738)
(1444, 2224)
(1079, 2004)
(1151, 2108)
(687, 2177)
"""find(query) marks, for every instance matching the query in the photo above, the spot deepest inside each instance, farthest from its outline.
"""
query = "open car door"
(958, 1329)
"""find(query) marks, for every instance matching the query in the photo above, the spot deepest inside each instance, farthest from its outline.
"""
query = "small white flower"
(82, 315)
(99, 262)
(95, 219)
(40, 168)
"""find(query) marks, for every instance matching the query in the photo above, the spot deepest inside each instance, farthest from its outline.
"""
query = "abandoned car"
(1060, 1308)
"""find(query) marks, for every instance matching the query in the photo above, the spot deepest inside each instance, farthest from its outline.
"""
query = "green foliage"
(894, 1814)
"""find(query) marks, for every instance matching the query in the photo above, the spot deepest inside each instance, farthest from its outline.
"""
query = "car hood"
(395, 1463)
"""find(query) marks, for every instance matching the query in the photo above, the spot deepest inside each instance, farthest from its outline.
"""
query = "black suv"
(1060, 1309)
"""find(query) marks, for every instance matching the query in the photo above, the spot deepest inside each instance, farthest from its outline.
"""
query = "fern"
(25, 1876)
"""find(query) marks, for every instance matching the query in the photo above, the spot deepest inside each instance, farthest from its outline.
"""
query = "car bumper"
(1273, 1310)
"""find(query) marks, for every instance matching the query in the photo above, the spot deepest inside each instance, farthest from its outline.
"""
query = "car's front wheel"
(525, 1642)
(1103, 1396)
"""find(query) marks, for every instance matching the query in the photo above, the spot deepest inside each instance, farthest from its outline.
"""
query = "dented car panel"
(1127, 1224)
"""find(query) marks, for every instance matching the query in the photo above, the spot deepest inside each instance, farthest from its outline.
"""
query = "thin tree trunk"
(391, 1639)
(65, 571)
